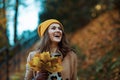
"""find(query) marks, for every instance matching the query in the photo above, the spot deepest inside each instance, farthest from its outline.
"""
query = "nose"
(58, 30)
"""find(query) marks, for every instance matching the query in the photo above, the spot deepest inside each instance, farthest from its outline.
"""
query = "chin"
(57, 41)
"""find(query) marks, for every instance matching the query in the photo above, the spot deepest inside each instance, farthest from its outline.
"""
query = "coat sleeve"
(29, 72)
(74, 66)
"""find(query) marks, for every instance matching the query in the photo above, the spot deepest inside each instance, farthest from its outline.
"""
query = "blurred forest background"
(92, 26)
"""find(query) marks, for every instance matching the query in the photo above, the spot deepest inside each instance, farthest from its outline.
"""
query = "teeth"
(57, 35)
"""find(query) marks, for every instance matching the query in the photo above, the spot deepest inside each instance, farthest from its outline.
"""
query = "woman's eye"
(53, 28)
(60, 28)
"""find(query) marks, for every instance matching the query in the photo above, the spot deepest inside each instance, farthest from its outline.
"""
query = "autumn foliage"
(43, 61)
(99, 43)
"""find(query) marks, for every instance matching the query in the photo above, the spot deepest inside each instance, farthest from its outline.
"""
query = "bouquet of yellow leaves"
(43, 61)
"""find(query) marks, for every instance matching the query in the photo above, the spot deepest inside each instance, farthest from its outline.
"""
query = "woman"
(53, 39)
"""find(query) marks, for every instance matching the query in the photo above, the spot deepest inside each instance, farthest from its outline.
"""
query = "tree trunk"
(15, 20)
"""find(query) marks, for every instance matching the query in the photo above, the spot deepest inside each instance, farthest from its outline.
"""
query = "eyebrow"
(56, 26)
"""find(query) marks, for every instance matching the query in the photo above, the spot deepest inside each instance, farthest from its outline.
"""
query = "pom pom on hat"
(44, 25)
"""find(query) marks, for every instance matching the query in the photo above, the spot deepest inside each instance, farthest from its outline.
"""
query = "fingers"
(42, 76)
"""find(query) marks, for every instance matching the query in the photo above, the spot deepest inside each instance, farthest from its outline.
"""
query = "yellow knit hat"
(44, 25)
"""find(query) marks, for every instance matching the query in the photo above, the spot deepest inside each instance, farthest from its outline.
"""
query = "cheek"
(50, 33)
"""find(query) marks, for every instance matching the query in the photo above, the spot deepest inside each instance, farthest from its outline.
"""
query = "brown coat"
(69, 67)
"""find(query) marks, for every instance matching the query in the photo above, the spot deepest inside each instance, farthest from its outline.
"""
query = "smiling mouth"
(57, 36)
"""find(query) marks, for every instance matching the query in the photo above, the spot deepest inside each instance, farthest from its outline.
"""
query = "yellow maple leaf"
(44, 61)
(45, 56)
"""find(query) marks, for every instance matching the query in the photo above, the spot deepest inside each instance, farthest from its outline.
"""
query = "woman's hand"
(42, 76)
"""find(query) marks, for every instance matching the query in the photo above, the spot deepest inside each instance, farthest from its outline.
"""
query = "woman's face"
(55, 32)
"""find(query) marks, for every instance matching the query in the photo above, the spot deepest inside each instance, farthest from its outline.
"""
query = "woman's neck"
(53, 48)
